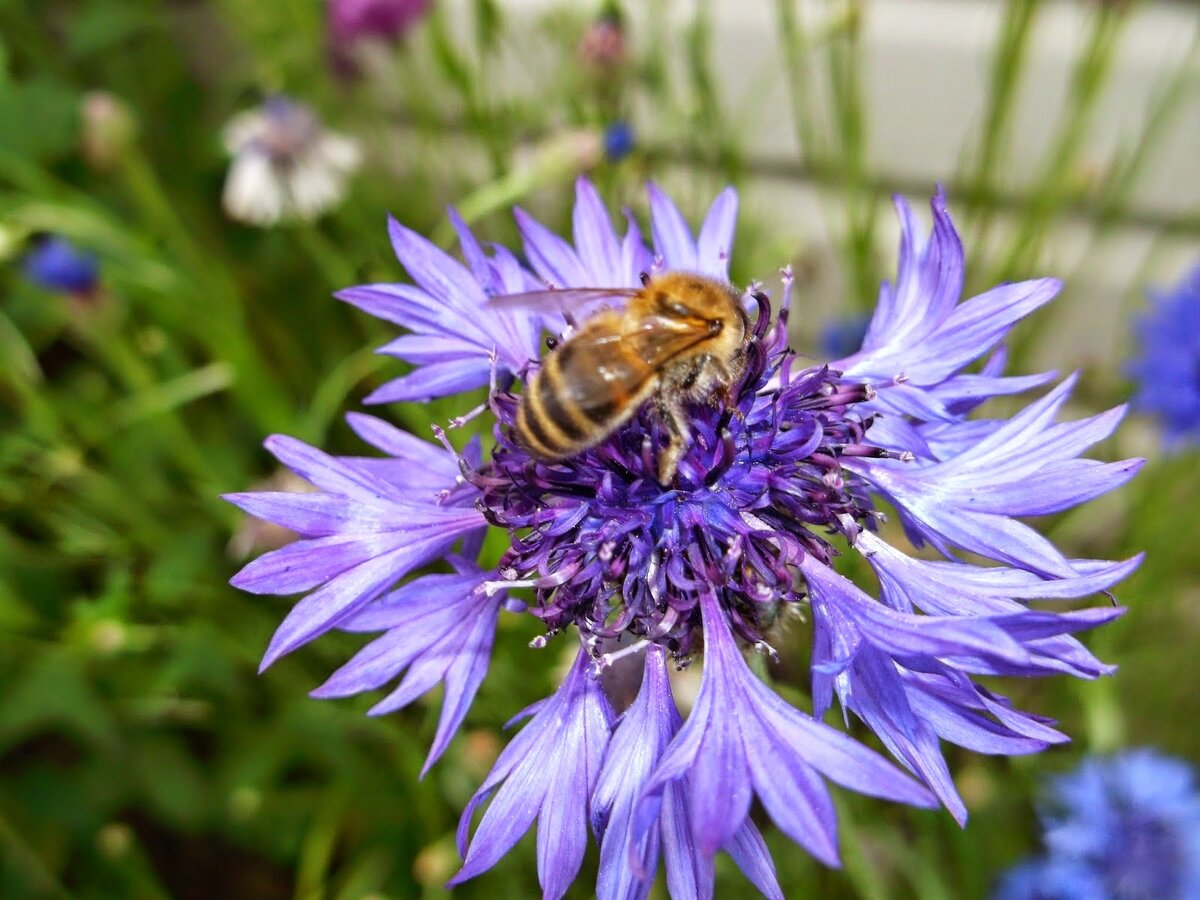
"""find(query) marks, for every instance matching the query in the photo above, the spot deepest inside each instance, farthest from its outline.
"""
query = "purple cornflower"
(779, 480)
(1167, 370)
(1119, 828)
(58, 265)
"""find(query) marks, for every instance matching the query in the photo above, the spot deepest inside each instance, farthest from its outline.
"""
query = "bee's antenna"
(644, 277)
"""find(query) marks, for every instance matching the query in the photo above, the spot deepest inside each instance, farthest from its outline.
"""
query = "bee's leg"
(722, 397)
(674, 419)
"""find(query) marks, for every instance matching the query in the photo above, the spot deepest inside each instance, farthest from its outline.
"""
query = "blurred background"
(165, 304)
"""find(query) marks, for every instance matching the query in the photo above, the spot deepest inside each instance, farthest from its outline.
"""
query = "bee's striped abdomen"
(578, 397)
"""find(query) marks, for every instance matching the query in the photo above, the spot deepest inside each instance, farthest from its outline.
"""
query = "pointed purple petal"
(672, 237)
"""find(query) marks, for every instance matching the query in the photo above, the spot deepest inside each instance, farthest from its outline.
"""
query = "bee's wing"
(659, 339)
(626, 369)
(557, 300)
(601, 372)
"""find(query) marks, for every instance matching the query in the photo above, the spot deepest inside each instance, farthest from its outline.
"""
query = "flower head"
(778, 477)
(108, 128)
(1125, 827)
(619, 140)
(58, 265)
(353, 22)
(285, 163)
(1167, 370)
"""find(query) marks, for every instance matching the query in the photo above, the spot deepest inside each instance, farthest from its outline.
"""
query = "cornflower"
(780, 480)
(1125, 827)
(1167, 368)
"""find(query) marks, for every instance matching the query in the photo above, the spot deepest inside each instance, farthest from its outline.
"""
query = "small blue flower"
(1167, 371)
(618, 141)
(1119, 828)
(842, 337)
(772, 485)
(58, 265)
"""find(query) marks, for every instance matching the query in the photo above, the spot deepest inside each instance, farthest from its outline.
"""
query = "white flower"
(285, 164)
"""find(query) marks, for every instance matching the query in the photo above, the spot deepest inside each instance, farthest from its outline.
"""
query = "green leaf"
(103, 25)
(39, 119)
(55, 694)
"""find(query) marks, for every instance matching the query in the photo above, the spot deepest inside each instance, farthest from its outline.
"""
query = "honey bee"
(680, 338)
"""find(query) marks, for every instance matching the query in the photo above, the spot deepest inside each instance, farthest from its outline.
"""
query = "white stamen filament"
(609, 658)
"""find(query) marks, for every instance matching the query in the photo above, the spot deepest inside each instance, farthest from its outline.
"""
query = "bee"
(680, 338)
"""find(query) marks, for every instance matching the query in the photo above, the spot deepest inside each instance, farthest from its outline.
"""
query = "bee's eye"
(678, 309)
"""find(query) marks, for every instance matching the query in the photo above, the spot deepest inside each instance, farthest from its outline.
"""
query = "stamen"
(870, 452)
(460, 421)
(764, 314)
(562, 576)
(440, 435)
(607, 660)
(764, 647)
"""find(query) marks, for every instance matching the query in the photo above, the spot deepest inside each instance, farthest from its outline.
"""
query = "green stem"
(224, 331)
(1054, 188)
(38, 878)
(1007, 66)
(139, 379)
(796, 51)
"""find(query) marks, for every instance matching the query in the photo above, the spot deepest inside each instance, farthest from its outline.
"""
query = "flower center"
(607, 548)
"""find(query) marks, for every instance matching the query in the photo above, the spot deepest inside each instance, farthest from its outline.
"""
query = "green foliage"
(142, 755)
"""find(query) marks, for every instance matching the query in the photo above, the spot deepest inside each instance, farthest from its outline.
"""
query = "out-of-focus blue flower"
(285, 164)
(1167, 370)
(1119, 828)
(618, 141)
(841, 337)
(795, 458)
(1051, 879)
(58, 265)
